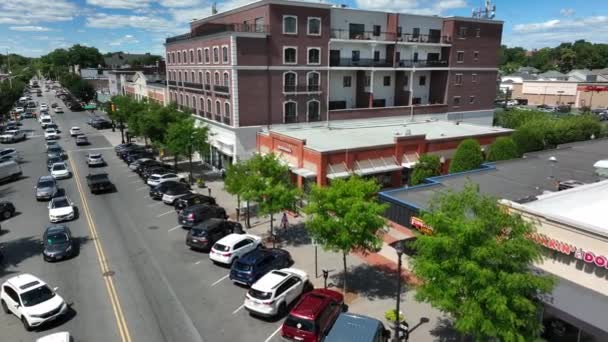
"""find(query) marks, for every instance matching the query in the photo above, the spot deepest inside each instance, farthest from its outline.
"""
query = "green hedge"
(468, 156)
(503, 148)
(427, 166)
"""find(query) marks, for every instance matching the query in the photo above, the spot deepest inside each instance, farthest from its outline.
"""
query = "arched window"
(191, 56)
(179, 76)
(290, 24)
(314, 26)
(201, 106)
(179, 57)
(218, 107)
(313, 110)
(199, 55)
(227, 109)
(173, 57)
(290, 55)
(185, 76)
(290, 112)
(217, 78)
(200, 77)
(290, 82)
(208, 78)
(314, 56)
(224, 54)
(181, 99)
(313, 81)
(174, 76)
(193, 80)
(209, 108)
(187, 101)
(226, 79)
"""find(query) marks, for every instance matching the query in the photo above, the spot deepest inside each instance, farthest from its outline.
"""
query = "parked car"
(205, 234)
(139, 167)
(174, 193)
(45, 121)
(60, 171)
(74, 131)
(158, 178)
(148, 171)
(81, 140)
(157, 192)
(51, 134)
(131, 157)
(58, 243)
(63, 336)
(232, 247)
(46, 188)
(253, 265)
(95, 159)
(196, 214)
(313, 316)
(7, 210)
(118, 148)
(58, 110)
(192, 199)
(54, 105)
(50, 161)
(61, 209)
(51, 143)
(353, 327)
(10, 170)
(101, 124)
(7, 154)
(12, 136)
(274, 292)
(134, 165)
(32, 300)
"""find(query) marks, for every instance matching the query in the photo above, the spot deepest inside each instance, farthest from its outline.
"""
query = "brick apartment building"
(275, 62)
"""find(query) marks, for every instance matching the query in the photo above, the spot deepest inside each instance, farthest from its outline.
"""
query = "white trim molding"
(235, 84)
(283, 24)
(225, 55)
(296, 55)
(308, 55)
(295, 85)
(308, 109)
(308, 26)
(286, 102)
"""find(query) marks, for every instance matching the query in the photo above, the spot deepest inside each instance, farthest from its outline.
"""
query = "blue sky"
(35, 27)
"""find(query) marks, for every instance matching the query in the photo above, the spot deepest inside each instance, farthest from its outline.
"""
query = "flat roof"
(516, 179)
(365, 134)
(566, 206)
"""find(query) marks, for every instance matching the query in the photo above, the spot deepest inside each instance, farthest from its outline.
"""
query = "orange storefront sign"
(418, 224)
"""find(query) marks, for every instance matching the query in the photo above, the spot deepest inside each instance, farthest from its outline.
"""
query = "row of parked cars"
(275, 288)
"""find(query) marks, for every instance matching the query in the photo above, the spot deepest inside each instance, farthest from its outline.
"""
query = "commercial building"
(276, 62)
(383, 149)
(570, 224)
(151, 87)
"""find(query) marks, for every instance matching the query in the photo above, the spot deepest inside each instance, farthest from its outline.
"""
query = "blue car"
(253, 265)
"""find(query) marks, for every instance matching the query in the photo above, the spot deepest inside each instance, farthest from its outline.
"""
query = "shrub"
(528, 139)
(428, 166)
(516, 118)
(468, 156)
(503, 148)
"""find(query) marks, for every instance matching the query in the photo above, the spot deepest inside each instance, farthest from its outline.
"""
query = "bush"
(528, 139)
(503, 148)
(468, 156)
(516, 118)
(428, 166)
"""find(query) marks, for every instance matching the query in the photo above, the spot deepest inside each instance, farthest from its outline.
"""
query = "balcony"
(207, 87)
(227, 120)
(363, 113)
(214, 28)
(208, 115)
(424, 38)
(410, 63)
(192, 85)
(172, 83)
(361, 62)
(221, 89)
(361, 35)
(292, 89)
(218, 118)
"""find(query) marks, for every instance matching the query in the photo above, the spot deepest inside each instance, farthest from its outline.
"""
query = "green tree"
(468, 156)
(503, 148)
(428, 165)
(528, 139)
(185, 138)
(567, 59)
(236, 182)
(477, 267)
(345, 217)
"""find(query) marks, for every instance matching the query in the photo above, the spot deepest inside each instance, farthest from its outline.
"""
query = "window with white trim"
(191, 56)
(458, 79)
(218, 108)
(462, 32)
(199, 55)
(185, 56)
(207, 58)
(179, 75)
(200, 77)
(290, 82)
(313, 81)
(471, 99)
(226, 79)
(314, 26)
(192, 79)
(227, 109)
(201, 104)
(216, 55)
(181, 99)
(172, 57)
(208, 78)
(290, 24)
(313, 110)
(290, 112)
(473, 78)
(347, 81)
(225, 54)
(460, 57)
(314, 56)
(216, 78)
(209, 107)
(475, 56)
(179, 57)
(290, 55)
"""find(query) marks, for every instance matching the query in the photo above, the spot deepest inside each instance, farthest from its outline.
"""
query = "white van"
(10, 170)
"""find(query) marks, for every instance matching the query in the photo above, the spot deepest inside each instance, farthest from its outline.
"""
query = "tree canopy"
(476, 266)
(185, 138)
(428, 165)
(503, 148)
(468, 156)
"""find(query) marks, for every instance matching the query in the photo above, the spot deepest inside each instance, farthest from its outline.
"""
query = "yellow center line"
(123, 329)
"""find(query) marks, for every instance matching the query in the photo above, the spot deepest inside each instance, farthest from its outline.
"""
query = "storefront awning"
(306, 173)
(410, 159)
(373, 166)
(338, 171)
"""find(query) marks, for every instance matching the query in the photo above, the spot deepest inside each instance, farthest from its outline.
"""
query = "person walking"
(284, 221)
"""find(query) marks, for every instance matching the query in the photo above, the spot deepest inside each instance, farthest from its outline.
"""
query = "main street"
(134, 279)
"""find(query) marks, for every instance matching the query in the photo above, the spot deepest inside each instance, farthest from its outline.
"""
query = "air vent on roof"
(408, 132)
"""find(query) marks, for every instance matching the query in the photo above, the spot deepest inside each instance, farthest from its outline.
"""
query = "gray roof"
(552, 73)
(528, 69)
(524, 76)
(117, 58)
(581, 71)
(515, 179)
(599, 71)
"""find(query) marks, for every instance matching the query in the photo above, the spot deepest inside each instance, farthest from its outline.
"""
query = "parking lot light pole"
(399, 249)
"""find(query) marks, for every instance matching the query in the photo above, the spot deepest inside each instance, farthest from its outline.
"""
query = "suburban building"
(121, 60)
(277, 62)
(151, 87)
(554, 93)
(552, 75)
(116, 79)
(384, 149)
(570, 225)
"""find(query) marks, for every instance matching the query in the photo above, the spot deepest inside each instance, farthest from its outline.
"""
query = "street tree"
(503, 148)
(428, 165)
(120, 110)
(468, 156)
(477, 266)
(236, 181)
(184, 138)
(345, 217)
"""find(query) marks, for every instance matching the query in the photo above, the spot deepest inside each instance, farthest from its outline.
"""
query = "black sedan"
(192, 199)
(205, 234)
(7, 210)
(53, 160)
(158, 191)
(161, 169)
(58, 243)
(101, 124)
(253, 265)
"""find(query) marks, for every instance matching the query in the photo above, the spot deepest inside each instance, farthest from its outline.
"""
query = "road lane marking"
(142, 188)
(274, 333)
(198, 262)
(174, 228)
(219, 280)
(121, 322)
(167, 213)
(238, 309)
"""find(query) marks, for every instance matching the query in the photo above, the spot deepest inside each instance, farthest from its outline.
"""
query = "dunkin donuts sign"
(568, 249)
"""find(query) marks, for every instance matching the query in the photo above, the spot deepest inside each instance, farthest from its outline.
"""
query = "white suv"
(233, 246)
(32, 300)
(272, 294)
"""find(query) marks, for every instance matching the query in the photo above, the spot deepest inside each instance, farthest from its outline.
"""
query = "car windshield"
(57, 239)
(37, 296)
(55, 149)
(60, 203)
(259, 294)
(154, 177)
(54, 160)
(46, 184)
(242, 267)
(221, 248)
(58, 167)
(299, 323)
(198, 232)
(95, 156)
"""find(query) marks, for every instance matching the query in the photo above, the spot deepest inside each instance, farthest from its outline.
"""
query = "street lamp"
(399, 248)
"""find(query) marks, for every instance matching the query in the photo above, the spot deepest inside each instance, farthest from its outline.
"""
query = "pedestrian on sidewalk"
(284, 221)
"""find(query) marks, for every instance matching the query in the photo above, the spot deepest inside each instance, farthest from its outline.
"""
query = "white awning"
(410, 159)
(306, 173)
(338, 171)
(373, 166)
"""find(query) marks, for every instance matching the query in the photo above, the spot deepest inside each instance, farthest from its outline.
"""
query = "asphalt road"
(134, 279)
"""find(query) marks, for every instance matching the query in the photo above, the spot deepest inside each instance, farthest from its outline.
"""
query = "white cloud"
(30, 28)
(555, 31)
(566, 12)
(120, 4)
(577, 24)
(126, 39)
(412, 6)
(180, 3)
(113, 21)
(36, 11)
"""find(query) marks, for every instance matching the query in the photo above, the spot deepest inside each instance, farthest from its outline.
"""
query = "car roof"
(232, 239)
(46, 178)
(95, 155)
(254, 256)
(270, 280)
(56, 228)
(353, 328)
(75, 127)
(59, 198)
(24, 282)
(60, 163)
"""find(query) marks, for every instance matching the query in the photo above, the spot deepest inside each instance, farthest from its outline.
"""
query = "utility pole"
(8, 64)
